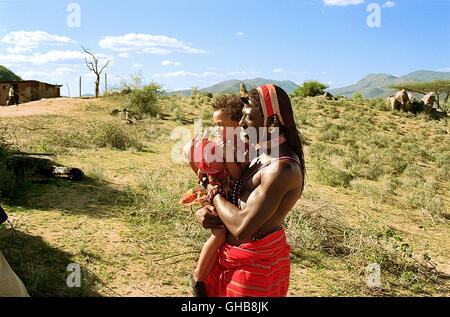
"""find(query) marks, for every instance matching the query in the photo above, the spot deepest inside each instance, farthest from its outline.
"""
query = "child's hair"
(231, 104)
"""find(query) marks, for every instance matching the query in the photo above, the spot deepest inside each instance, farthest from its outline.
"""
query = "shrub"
(310, 88)
(144, 100)
(106, 134)
(8, 180)
(110, 134)
(357, 95)
(327, 174)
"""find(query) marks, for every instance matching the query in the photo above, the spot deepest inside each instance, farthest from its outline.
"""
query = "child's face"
(222, 121)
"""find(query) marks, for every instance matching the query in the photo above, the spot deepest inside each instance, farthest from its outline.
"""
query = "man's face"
(253, 117)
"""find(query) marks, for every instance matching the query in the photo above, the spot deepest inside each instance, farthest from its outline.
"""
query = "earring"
(272, 126)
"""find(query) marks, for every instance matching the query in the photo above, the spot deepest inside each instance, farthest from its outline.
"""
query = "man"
(13, 96)
(255, 259)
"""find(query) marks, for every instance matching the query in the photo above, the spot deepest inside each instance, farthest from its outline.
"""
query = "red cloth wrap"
(255, 269)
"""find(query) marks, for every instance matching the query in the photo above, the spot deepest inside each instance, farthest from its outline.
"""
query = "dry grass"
(377, 192)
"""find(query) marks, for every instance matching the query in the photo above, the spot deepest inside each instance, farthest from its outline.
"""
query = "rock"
(115, 112)
(243, 90)
(395, 104)
(402, 97)
(429, 99)
(327, 96)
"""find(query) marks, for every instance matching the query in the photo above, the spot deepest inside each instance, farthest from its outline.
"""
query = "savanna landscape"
(376, 191)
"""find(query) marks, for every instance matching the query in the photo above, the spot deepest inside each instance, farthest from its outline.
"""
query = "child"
(221, 174)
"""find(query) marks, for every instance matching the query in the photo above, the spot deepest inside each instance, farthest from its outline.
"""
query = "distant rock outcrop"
(243, 90)
(404, 102)
(328, 96)
(429, 99)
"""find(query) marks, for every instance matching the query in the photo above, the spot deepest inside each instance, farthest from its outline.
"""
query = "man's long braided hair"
(290, 128)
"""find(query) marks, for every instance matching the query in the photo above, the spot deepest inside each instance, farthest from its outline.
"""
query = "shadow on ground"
(91, 197)
(43, 268)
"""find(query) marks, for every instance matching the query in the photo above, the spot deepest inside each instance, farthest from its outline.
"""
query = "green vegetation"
(7, 75)
(376, 191)
(310, 88)
(377, 85)
(440, 87)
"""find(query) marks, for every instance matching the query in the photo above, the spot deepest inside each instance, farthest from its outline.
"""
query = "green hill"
(7, 75)
(233, 86)
(375, 85)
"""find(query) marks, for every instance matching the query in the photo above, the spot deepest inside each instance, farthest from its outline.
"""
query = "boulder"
(243, 90)
(394, 103)
(402, 97)
(327, 96)
(429, 99)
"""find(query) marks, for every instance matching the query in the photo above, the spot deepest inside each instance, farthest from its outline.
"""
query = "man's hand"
(208, 218)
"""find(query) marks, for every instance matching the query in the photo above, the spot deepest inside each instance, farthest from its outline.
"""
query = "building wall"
(30, 90)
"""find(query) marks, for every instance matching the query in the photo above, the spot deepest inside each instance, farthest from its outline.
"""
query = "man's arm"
(262, 203)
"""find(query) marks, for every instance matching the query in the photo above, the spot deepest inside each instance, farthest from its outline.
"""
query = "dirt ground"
(44, 107)
(128, 256)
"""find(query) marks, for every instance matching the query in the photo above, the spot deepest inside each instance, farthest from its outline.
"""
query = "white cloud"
(342, 2)
(323, 73)
(170, 63)
(138, 65)
(147, 43)
(27, 41)
(389, 4)
(278, 70)
(62, 71)
(61, 57)
(182, 73)
(240, 33)
(125, 55)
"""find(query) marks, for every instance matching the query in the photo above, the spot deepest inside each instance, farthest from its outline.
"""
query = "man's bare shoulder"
(286, 173)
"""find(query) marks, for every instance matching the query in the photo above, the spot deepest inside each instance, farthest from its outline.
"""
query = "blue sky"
(181, 44)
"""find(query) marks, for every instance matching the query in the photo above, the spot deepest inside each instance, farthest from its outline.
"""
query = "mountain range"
(371, 86)
(376, 85)
(233, 86)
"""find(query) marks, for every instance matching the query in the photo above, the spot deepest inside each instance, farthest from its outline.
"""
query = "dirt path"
(44, 106)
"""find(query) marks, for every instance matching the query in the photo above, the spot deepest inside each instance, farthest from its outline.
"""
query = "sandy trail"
(44, 106)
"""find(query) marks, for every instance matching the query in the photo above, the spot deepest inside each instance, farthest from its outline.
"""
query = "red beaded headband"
(269, 102)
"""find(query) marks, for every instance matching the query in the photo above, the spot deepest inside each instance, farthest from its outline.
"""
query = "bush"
(8, 180)
(327, 174)
(144, 100)
(106, 134)
(357, 95)
(110, 134)
(310, 88)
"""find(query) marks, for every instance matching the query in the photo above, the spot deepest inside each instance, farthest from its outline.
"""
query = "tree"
(93, 66)
(437, 86)
(310, 88)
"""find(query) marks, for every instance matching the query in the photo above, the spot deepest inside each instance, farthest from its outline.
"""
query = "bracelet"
(216, 190)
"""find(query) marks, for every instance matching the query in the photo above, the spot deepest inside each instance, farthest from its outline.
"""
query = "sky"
(182, 44)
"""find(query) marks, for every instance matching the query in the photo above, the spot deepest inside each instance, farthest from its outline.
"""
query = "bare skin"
(221, 121)
(208, 256)
(266, 198)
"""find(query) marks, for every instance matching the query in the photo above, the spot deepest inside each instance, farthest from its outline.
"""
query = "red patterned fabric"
(255, 269)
